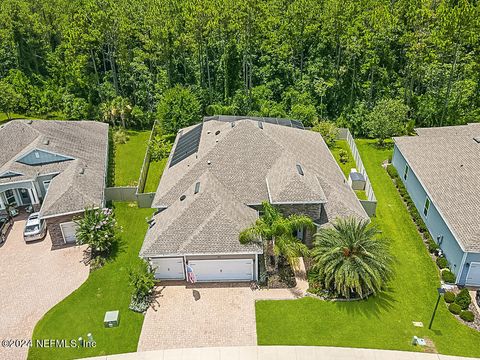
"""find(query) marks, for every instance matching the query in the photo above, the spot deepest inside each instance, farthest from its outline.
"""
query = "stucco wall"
(434, 221)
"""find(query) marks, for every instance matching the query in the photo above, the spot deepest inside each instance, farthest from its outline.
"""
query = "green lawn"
(385, 321)
(155, 171)
(129, 158)
(343, 145)
(105, 289)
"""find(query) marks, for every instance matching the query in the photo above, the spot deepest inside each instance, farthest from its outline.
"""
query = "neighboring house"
(441, 171)
(56, 167)
(217, 176)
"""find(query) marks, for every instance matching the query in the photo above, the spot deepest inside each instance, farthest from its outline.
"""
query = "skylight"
(197, 187)
(477, 139)
(299, 169)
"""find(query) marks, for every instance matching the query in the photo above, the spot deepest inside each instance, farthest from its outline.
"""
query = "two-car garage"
(206, 270)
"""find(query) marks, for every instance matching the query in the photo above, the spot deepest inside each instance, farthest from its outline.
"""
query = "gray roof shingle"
(447, 162)
(249, 165)
(85, 141)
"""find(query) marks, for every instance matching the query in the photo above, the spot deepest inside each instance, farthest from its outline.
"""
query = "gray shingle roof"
(208, 222)
(85, 141)
(250, 165)
(447, 162)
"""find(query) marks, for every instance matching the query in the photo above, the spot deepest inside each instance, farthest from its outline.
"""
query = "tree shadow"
(370, 307)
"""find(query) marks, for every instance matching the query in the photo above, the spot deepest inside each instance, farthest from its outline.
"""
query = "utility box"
(356, 180)
(111, 319)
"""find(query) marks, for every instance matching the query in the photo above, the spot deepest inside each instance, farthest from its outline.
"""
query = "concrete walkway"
(278, 353)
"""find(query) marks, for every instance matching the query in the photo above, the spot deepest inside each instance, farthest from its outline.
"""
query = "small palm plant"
(351, 259)
(277, 233)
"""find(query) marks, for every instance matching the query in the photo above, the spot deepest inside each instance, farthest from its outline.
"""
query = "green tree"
(277, 233)
(10, 100)
(328, 130)
(388, 118)
(178, 108)
(351, 259)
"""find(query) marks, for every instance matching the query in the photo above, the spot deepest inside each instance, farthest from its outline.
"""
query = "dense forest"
(131, 61)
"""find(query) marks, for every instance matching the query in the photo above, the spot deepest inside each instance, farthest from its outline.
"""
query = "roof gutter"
(431, 199)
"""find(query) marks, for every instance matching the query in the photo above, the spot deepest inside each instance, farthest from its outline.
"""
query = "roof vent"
(217, 132)
(197, 187)
(183, 197)
(299, 169)
(477, 139)
(81, 171)
(46, 142)
(260, 125)
(232, 124)
(30, 122)
(209, 162)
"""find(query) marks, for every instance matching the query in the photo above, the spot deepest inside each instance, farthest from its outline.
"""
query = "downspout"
(462, 265)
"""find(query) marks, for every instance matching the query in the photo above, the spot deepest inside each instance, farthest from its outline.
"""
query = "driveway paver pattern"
(33, 279)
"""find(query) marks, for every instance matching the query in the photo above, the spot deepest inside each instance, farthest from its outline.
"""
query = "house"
(55, 167)
(441, 171)
(218, 174)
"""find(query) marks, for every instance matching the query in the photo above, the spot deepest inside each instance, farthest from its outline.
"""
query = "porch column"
(33, 194)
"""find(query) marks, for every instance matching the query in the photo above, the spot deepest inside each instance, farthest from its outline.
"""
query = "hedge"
(467, 316)
(448, 276)
(463, 299)
(449, 297)
(455, 309)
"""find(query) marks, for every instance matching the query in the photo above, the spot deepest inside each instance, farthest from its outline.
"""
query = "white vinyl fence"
(369, 205)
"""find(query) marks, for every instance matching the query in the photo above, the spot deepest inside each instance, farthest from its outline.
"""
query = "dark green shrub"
(442, 262)
(448, 276)
(467, 316)
(432, 247)
(455, 309)
(392, 171)
(449, 297)
(463, 299)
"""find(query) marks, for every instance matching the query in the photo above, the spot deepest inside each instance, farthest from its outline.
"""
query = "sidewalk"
(278, 353)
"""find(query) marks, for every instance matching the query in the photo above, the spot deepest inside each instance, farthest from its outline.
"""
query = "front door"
(10, 197)
(25, 197)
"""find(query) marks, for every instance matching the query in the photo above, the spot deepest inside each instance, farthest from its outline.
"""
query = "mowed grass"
(155, 171)
(343, 145)
(129, 158)
(383, 322)
(105, 289)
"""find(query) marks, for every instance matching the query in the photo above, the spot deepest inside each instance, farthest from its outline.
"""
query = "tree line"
(129, 62)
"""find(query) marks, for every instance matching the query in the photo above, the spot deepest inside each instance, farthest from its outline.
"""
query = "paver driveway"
(204, 315)
(32, 280)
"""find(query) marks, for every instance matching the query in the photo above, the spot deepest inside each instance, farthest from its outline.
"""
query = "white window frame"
(426, 206)
(46, 185)
(406, 171)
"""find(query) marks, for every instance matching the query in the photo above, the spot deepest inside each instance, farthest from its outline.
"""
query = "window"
(46, 185)
(426, 207)
(405, 173)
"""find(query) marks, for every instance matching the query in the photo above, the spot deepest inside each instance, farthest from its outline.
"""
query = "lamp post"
(441, 291)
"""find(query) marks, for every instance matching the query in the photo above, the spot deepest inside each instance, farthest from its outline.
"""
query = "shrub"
(467, 316)
(432, 247)
(97, 228)
(463, 299)
(392, 171)
(120, 137)
(142, 279)
(449, 297)
(448, 276)
(343, 154)
(442, 262)
(455, 308)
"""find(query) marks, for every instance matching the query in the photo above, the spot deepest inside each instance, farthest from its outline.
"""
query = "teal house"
(440, 168)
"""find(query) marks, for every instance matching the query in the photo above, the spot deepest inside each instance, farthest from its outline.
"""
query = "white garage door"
(168, 268)
(69, 232)
(223, 270)
(473, 276)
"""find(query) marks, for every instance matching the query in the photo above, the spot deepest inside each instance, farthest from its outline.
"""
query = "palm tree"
(351, 258)
(277, 233)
